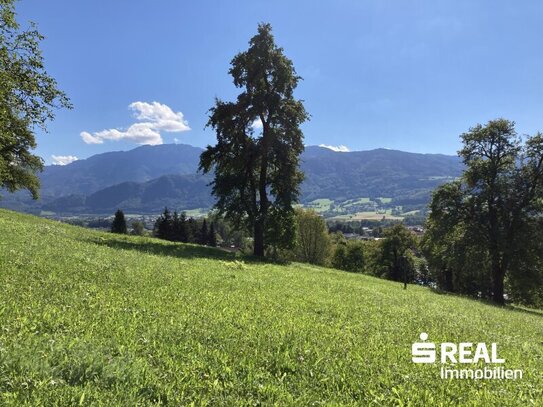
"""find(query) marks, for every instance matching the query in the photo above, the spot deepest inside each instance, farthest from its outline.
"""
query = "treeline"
(484, 233)
(178, 228)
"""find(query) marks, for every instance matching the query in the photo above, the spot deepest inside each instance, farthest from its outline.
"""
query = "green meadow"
(90, 318)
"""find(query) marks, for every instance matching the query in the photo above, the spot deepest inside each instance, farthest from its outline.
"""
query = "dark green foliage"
(212, 236)
(164, 225)
(203, 235)
(28, 96)
(256, 175)
(119, 223)
(349, 255)
(484, 231)
(179, 228)
(395, 256)
(192, 229)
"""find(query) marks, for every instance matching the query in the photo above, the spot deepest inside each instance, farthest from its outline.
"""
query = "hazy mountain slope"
(378, 173)
(174, 191)
(147, 178)
(103, 170)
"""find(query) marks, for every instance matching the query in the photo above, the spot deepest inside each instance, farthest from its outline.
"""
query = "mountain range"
(147, 178)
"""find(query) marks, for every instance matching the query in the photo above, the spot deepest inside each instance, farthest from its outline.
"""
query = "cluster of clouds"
(152, 118)
(340, 149)
(63, 159)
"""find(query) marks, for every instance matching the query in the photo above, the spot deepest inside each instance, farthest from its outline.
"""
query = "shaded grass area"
(90, 318)
(160, 248)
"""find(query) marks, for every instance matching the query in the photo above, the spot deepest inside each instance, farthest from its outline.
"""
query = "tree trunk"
(258, 249)
(262, 194)
(497, 285)
(449, 280)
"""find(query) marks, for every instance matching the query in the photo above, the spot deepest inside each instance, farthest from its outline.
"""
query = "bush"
(312, 240)
(138, 228)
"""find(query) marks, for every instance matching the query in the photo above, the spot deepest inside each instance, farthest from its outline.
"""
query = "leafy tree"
(452, 246)
(312, 241)
(349, 255)
(256, 167)
(28, 96)
(119, 223)
(339, 256)
(493, 212)
(395, 254)
(355, 256)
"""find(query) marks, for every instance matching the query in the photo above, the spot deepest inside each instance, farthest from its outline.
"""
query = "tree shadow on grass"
(163, 248)
(178, 250)
(507, 306)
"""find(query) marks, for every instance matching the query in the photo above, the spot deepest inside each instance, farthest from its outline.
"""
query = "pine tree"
(183, 228)
(163, 225)
(176, 233)
(204, 235)
(192, 230)
(212, 237)
(256, 169)
(119, 223)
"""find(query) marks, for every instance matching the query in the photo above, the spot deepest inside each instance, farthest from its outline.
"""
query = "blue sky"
(408, 75)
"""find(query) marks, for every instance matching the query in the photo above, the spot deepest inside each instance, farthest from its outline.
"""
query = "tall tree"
(212, 236)
(494, 210)
(259, 142)
(203, 236)
(180, 228)
(164, 225)
(28, 96)
(119, 223)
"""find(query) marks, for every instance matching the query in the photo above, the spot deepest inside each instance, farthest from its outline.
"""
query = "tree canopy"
(259, 142)
(485, 229)
(28, 97)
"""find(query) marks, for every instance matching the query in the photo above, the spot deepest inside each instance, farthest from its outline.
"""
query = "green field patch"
(352, 202)
(320, 205)
(411, 213)
(196, 213)
(368, 215)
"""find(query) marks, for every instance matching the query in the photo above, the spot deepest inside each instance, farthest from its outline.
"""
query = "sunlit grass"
(93, 318)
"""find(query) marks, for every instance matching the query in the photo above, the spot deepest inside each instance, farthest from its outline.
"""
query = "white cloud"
(257, 124)
(153, 118)
(63, 159)
(340, 149)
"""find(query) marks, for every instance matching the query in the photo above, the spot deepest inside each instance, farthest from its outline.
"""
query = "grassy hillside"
(90, 318)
